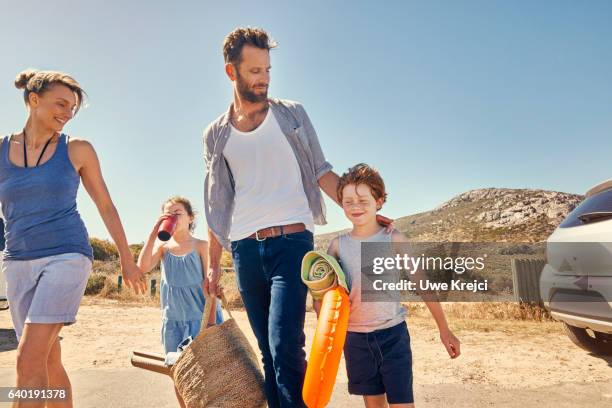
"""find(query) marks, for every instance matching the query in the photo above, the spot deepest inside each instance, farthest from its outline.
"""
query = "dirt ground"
(503, 363)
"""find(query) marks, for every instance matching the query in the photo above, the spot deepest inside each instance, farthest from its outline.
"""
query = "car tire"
(601, 344)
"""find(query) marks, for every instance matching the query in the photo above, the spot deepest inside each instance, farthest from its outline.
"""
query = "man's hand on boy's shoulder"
(451, 343)
(385, 222)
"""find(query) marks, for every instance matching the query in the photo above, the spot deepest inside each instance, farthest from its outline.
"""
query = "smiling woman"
(37, 82)
(48, 257)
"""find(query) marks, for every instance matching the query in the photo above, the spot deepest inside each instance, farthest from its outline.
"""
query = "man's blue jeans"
(268, 277)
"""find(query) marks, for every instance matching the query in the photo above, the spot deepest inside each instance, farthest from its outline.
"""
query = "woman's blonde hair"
(38, 82)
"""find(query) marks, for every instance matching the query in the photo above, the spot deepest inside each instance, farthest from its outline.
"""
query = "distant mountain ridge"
(487, 215)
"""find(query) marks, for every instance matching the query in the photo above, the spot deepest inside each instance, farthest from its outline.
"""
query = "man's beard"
(245, 92)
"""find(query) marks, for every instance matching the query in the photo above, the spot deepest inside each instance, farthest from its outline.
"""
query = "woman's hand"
(134, 277)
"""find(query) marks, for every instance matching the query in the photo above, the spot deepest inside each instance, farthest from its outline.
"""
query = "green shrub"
(110, 287)
(95, 283)
(135, 249)
(103, 249)
(107, 267)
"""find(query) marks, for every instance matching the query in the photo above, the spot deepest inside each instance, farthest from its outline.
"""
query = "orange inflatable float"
(330, 333)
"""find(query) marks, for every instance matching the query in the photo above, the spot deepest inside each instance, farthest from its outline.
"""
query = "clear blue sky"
(441, 96)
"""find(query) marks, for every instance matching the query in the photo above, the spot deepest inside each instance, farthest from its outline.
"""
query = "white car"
(576, 283)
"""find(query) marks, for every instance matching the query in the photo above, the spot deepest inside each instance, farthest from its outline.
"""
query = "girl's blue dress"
(182, 298)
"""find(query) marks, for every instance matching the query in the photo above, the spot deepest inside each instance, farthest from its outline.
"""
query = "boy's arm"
(333, 251)
(450, 342)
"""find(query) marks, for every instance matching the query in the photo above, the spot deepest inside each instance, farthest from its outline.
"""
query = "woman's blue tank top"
(39, 206)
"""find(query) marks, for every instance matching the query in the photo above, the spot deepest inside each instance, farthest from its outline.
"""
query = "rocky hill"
(487, 215)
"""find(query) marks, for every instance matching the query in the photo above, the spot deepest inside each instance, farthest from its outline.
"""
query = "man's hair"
(363, 174)
(241, 36)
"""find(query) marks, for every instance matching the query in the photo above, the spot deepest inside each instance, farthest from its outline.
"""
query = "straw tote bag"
(219, 368)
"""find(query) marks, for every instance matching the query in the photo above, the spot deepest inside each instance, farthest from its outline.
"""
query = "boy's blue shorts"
(380, 362)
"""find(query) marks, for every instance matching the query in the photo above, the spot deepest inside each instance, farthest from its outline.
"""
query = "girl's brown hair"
(363, 174)
(39, 82)
(188, 207)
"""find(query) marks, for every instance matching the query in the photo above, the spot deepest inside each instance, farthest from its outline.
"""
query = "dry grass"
(106, 286)
(482, 312)
(506, 317)
(230, 290)
(509, 317)
(492, 310)
(106, 267)
(103, 249)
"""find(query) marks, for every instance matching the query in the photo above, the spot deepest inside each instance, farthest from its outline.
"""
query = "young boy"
(377, 348)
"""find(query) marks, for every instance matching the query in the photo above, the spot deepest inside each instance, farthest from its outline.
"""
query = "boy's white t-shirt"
(268, 182)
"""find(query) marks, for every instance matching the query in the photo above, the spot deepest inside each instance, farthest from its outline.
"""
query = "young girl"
(183, 260)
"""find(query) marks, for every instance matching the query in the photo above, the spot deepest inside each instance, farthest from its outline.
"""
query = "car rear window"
(601, 202)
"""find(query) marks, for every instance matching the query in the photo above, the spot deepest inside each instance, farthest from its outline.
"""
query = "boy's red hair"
(363, 174)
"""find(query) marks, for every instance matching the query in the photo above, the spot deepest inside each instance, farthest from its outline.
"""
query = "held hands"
(133, 277)
(451, 343)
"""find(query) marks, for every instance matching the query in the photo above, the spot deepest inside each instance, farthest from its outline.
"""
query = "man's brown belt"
(275, 231)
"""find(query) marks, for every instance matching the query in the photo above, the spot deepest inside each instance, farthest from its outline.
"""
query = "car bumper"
(583, 322)
(579, 302)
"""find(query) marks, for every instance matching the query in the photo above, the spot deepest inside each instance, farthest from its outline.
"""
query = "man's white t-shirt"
(267, 178)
